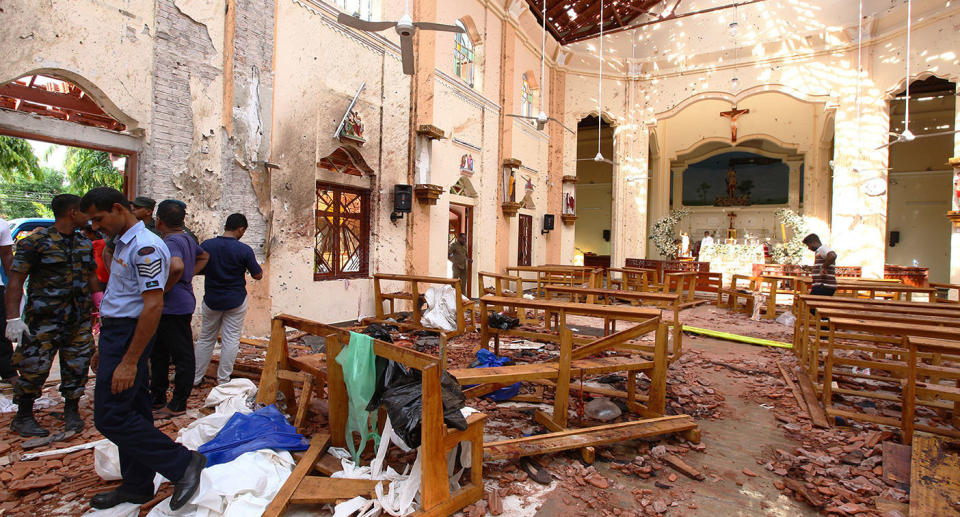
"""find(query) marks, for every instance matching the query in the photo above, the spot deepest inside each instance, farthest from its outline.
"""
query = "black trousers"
(174, 341)
(820, 290)
(6, 347)
(126, 418)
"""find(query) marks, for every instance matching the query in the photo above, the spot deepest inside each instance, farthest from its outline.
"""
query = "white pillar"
(676, 176)
(630, 185)
(955, 224)
(858, 221)
(659, 189)
(795, 164)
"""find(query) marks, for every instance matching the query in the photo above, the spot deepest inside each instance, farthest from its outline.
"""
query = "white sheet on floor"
(121, 510)
(227, 398)
(223, 492)
(441, 310)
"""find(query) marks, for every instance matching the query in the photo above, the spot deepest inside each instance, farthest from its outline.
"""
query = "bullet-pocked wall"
(191, 80)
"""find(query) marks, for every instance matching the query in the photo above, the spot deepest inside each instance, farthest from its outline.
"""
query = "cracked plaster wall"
(104, 45)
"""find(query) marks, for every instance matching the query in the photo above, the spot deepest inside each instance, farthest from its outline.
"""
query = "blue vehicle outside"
(20, 228)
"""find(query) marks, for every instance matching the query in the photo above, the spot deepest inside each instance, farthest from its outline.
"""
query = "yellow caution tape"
(735, 337)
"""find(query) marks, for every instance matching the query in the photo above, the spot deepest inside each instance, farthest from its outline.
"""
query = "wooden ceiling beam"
(673, 16)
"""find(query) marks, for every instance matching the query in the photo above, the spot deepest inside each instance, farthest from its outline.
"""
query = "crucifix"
(734, 114)
(731, 232)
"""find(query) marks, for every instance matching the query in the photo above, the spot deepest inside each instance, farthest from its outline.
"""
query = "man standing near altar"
(824, 266)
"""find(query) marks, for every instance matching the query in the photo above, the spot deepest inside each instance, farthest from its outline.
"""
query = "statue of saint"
(732, 183)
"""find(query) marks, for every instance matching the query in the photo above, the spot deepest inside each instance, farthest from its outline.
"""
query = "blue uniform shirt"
(141, 262)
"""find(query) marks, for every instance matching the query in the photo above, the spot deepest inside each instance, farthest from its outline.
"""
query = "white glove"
(15, 329)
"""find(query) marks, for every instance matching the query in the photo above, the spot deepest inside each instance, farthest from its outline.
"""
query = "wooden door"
(525, 246)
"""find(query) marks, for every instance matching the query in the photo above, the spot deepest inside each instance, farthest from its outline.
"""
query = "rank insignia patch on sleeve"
(150, 270)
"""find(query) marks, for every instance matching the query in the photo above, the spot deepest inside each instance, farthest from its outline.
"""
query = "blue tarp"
(265, 428)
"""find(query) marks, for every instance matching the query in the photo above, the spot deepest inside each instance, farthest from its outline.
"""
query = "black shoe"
(112, 498)
(24, 423)
(71, 416)
(185, 487)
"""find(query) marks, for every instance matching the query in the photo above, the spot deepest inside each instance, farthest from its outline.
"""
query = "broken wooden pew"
(591, 436)
(436, 498)
(411, 294)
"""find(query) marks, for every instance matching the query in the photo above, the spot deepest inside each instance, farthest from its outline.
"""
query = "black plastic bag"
(377, 331)
(404, 402)
(499, 320)
(387, 372)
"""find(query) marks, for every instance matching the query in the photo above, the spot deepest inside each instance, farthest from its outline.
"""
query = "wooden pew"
(886, 345)
(630, 278)
(806, 330)
(950, 289)
(302, 487)
(873, 289)
(497, 284)
(412, 296)
(669, 302)
(741, 287)
(579, 356)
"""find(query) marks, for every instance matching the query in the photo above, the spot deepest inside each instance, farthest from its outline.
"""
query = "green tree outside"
(26, 187)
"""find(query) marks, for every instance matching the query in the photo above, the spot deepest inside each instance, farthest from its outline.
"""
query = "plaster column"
(954, 216)
(659, 187)
(558, 251)
(795, 164)
(676, 179)
(631, 148)
(858, 221)
(507, 98)
(421, 111)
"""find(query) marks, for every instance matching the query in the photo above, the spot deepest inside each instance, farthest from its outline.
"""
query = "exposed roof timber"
(586, 24)
(672, 16)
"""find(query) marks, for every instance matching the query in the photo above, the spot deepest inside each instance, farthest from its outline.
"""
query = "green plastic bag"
(360, 376)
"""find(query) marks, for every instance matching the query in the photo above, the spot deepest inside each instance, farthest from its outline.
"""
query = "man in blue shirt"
(174, 335)
(129, 314)
(225, 297)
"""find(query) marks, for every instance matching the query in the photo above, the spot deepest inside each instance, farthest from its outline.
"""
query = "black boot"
(24, 423)
(71, 416)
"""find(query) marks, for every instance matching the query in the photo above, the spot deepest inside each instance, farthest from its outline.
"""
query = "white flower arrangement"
(665, 233)
(790, 252)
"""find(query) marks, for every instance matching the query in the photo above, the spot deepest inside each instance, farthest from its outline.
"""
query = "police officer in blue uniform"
(129, 312)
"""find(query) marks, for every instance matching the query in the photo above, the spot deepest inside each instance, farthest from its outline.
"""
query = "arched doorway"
(918, 234)
(70, 140)
(594, 192)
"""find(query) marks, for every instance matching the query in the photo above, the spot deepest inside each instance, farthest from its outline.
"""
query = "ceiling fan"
(907, 135)
(405, 27)
(541, 119)
(599, 157)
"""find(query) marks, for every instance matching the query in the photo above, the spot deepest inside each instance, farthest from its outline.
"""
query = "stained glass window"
(463, 56)
(342, 239)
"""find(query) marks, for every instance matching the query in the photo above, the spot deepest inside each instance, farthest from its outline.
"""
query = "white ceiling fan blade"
(406, 54)
(357, 23)
(572, 132)
(521, 116)
(941, 133)
(887, 145)
(428, 26)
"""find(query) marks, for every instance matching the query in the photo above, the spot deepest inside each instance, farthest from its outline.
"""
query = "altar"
(732, 258)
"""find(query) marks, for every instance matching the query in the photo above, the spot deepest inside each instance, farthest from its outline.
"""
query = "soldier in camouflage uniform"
(59, 263)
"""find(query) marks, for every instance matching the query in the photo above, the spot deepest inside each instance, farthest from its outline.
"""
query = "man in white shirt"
(6, 347)
(824, 266)
(707, 240)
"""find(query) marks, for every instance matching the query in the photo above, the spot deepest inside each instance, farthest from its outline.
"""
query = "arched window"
(463, 56)
(528, 97)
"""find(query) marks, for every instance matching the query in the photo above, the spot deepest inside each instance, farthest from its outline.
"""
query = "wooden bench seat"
(534, 371)
(591, 436)
(465, 317)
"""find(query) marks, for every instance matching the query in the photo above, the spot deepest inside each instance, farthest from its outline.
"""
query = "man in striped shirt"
(824, 266)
